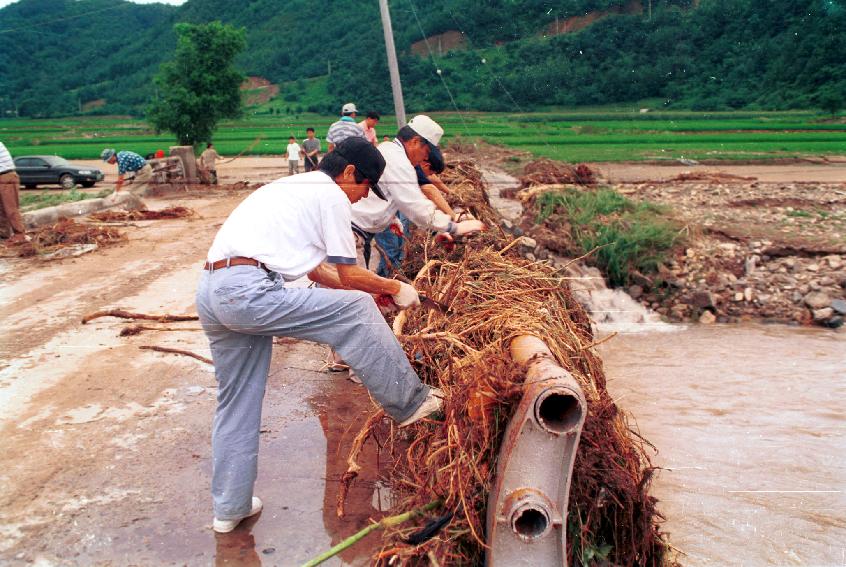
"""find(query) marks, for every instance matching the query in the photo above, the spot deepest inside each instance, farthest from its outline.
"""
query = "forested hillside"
(61, 56)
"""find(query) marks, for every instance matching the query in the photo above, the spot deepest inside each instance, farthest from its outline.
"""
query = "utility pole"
(396, 87)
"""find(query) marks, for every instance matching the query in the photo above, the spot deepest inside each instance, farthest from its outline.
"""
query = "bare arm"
(436, 181)
(435, 196)
(347, 276)
(119, 184)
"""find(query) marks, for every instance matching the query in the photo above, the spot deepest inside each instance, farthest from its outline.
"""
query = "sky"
(173, 2)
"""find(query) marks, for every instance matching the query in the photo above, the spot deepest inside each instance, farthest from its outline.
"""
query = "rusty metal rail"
(527, 508)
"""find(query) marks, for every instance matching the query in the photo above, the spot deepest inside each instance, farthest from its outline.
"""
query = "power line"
(438, 69)
(38, 24)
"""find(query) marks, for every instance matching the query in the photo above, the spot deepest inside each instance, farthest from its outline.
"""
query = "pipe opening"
(530, 523)
(558, 412)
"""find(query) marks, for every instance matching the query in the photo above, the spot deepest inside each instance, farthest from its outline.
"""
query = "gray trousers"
(241, 309)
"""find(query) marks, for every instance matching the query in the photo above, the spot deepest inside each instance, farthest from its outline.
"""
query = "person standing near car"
(11, 221)
(130, 162)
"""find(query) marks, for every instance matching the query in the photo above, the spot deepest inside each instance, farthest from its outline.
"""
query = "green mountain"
(63, 56)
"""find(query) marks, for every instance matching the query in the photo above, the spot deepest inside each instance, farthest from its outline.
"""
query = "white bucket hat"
(430, 130)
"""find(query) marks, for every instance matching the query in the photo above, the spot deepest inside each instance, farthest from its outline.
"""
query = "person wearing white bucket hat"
(344, 128)
(415, 143)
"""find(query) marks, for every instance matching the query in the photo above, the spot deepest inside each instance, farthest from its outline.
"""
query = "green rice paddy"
(587, 135)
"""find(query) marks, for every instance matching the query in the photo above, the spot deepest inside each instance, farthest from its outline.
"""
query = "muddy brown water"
(751, 435)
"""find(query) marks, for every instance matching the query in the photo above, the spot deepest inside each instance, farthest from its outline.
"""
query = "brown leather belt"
(236, 261)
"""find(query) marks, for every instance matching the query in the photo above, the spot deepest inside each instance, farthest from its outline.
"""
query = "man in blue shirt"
(130, 162)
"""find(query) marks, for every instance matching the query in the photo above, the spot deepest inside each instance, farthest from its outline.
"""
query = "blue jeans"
(241, 309)
(394, 247)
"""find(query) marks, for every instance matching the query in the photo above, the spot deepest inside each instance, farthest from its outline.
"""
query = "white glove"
(464, 228)
(406, 296)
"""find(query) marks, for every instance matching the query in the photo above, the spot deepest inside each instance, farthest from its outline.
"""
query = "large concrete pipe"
(527, 508)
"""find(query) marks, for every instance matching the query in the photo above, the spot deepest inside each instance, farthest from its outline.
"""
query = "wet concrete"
(751, 433)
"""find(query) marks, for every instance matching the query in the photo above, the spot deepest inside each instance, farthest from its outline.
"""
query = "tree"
(831, 99)
(200, 86)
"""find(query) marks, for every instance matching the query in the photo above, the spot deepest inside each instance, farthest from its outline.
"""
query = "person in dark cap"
(295, 226)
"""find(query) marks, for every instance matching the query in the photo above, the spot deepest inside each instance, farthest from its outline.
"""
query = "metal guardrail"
(527, 508)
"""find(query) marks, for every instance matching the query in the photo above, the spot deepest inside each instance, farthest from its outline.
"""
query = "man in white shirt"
(412, 146)
(289, 228)
(292, 154)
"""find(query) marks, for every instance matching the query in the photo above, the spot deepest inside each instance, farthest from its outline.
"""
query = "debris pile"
(66, 233)
(494, 295)
(168, 213)
(548, 172)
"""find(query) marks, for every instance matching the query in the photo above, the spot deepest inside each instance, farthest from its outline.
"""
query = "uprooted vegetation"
(622, 237)
(495, 295)
(65, 233)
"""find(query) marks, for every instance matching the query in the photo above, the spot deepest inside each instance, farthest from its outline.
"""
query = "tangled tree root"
(66, 232)
(495, 295)
(169, 213)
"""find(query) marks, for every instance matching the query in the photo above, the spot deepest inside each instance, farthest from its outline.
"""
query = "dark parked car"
(54, 170)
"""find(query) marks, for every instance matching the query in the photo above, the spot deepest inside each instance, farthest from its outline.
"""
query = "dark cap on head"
(366, 158)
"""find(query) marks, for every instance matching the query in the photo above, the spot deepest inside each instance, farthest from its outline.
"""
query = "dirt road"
(104, 449)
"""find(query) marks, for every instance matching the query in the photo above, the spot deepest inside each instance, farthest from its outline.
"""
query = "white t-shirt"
(291, 225)
(399, 184)
(294, 152)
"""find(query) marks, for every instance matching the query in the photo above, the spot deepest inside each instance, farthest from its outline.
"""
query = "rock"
(542, 253)
(812, 268)
(732, 278)
(747, 294)
(635, 291)
(517, 231)
(750, 263)
(817, 300)
(790, 263)
(822, 314)
(707, 318)
(738, 296)
(834, 261)
(530, 257)
(703, 299)
(839, 305)
(826, 281)
(506, 224)
(528, 242)
(835, 322)
(814, 285)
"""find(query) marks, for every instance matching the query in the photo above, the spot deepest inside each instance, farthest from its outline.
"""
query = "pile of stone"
(728, 281)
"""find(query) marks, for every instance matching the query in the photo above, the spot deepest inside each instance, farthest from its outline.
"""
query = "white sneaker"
(226, 526)
(433, 402)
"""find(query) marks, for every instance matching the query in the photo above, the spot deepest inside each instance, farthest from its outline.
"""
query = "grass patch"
(628, 236)
(32, 202)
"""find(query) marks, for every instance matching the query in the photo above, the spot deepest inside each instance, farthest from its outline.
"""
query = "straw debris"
(168, 213)
(66, 232)
(495, 295)
(548, 172)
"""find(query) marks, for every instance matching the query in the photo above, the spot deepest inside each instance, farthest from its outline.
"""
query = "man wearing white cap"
(413, 145)
(345, 127)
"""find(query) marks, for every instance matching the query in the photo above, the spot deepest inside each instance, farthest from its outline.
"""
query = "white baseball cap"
(430, 130)
(349, 108)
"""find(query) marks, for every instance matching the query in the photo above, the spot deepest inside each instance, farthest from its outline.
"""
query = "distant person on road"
(368, 126)
(345, 127)
(208, 168)
(311, 150)
(292, 154)
(130, 162)
(11, 221)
